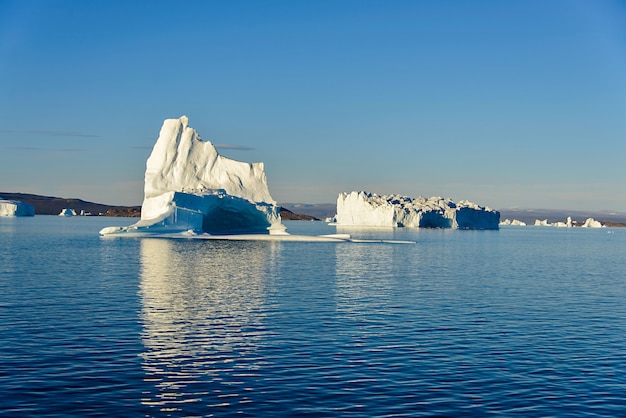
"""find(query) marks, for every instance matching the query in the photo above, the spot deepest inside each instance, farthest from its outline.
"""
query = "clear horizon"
(503, 104)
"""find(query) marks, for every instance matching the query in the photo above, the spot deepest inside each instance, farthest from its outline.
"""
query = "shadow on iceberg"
(213, 213)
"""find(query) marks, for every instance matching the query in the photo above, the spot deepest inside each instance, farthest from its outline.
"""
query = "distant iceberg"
(67, 212)
(566, 224)
(369, 209)
(190, 188)
(569, 223)
(592, 223)
(514, 222)
(16, 208)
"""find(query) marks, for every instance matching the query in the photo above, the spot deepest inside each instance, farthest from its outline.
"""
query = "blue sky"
(505, 103)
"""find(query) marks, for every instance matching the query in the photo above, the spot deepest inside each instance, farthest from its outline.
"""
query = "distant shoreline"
(51, 205)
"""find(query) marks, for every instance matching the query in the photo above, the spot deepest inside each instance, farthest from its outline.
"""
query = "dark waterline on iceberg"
(521, 321)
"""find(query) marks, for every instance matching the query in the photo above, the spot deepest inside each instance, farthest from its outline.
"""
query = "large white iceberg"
(190, 187)
(16, 208)
(369, 209)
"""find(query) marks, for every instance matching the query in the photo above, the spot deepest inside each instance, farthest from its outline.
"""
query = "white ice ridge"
(369, 209)
(589, 223)
(514, 222)
(189, 186)
(16, 208)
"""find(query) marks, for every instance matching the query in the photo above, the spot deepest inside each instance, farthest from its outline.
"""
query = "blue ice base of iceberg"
(214, 212)
(219, 216)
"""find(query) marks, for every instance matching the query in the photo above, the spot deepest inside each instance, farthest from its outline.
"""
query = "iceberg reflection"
(202, 314)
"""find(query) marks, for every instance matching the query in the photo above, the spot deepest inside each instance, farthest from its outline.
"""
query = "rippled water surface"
(517, 322)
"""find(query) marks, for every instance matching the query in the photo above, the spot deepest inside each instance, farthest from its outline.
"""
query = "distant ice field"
(523, 321)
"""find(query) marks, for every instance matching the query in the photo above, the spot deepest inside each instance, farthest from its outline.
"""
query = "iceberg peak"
(188, 185)
(182, 162)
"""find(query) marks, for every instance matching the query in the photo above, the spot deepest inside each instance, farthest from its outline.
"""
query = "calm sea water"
(517, 322)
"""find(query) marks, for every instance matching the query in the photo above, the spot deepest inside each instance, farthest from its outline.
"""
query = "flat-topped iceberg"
(369, 209)
(514, 222)
(16, 208)
(190, 187)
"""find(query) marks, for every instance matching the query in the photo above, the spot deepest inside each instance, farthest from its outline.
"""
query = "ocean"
(524, 321)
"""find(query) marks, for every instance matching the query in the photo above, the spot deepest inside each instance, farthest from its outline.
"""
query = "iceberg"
(189, 187)
(369, 209)
(592, 223)
(514, 222)
(569, 223)
(192, 192)
(566, 224)
(67, 212)
(16, 208)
